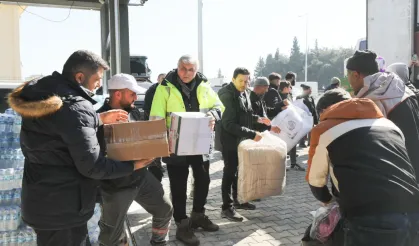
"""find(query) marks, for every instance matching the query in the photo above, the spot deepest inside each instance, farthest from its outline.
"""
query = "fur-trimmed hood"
(42, 97)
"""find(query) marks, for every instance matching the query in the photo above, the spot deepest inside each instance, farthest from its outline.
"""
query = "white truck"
(392, 29)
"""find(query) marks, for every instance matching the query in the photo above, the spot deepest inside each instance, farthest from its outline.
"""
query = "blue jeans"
(396, 229)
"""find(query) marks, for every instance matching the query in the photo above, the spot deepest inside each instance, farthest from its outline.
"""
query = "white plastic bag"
(294, 123)
(261, 168)
(299, 103)
(325, 221)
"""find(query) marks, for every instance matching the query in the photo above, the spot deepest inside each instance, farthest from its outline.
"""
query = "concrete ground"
(279, 220)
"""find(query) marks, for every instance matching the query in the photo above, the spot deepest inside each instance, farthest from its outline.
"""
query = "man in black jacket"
(272, 98)
(308, 100)
(62, 153)
(259, 107)
(238, 124)
(396, 101)
(141, 186)
(334, 84)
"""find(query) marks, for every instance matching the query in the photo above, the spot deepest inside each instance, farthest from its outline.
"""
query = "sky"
(235, 32)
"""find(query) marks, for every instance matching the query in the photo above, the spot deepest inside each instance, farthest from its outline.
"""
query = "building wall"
(10, 65)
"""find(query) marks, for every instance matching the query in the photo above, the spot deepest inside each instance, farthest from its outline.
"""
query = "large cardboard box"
(190, 134)
(136, 140)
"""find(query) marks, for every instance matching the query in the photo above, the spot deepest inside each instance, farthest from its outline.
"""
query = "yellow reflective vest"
(168, 99)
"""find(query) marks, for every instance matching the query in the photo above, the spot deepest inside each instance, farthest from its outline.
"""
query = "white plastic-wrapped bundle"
(295, 123)
(261, 168)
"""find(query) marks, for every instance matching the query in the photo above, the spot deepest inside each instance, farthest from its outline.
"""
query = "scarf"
(187, 88)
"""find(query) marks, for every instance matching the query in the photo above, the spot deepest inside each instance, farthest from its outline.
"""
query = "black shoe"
(303, 146)
(297, 167)
(201, 220)
(153, 243)
(185, 234)
(245, 206)
(231, 214)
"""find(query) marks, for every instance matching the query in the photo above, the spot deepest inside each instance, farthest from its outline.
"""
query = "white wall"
(10, 66)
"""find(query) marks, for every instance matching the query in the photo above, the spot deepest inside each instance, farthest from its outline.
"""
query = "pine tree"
(260, 67)
(296, 62)
(277, 55)
(220, 74)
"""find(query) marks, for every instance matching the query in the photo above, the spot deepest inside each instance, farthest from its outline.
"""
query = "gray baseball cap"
(262, 81)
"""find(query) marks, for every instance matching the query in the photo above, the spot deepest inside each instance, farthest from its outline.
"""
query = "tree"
(220, 74)
(296, 62)
(260, 67)
(277, 55)
(323, 63)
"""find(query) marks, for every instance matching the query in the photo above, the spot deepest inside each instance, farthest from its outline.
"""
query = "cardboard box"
(190, 134)
(136, 140)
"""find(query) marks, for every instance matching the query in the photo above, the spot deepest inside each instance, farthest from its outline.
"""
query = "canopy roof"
(78, 4)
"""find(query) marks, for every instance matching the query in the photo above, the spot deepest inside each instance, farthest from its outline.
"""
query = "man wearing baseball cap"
(141, 186)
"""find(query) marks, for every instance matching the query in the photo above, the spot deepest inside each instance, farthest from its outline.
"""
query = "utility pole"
(200, 38)
(306, 67)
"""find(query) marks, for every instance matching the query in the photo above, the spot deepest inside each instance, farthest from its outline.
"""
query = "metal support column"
(104, 28)
(124, 39)
(115, 59)
(200, 38)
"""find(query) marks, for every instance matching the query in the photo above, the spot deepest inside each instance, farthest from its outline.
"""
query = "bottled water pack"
(25, 236)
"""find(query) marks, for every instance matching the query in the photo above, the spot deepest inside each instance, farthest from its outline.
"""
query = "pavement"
(280, 220)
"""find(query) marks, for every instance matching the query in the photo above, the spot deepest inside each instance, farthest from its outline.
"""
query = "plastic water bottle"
(2, 124)
(15, 217)
(21, 238)
(2, 159)
(17, 126)
(2, 219)
(9, 178)
(18, 177)
(2, 179)
(9, 124)
(6, 219)
(13, 238)
(8, 195)
(6, 238)
(16, 197)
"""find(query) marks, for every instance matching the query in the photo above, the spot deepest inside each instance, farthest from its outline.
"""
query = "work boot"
(185, 234)
(201, 220)
(231, 214)
(245, 206)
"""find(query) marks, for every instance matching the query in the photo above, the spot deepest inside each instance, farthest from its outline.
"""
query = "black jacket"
(331, 87)
(62, 153)
(366, 158)
(130, 181)
(284, 96)
(260, 109)
(239, 120)
(406, 116)
(273, 100)
(311, 105)
(148, 100)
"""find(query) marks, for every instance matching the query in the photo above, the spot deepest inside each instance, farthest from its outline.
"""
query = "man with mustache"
(141, 186)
